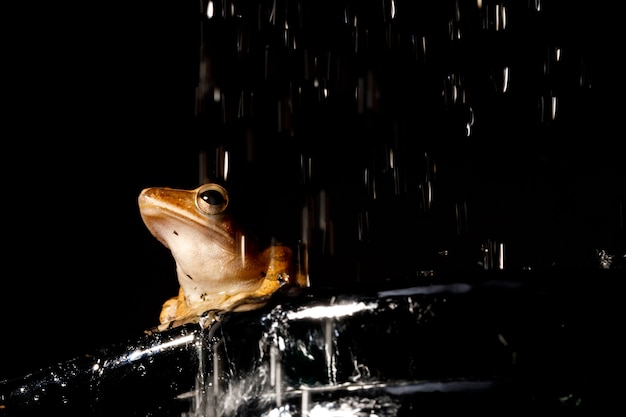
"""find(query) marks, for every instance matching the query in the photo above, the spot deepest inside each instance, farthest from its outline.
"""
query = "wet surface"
(500, 343)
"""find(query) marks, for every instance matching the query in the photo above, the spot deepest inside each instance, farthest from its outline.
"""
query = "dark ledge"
(496, 343)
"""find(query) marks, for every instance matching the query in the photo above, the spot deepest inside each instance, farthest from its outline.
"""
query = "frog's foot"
(169, 310)
(174, 312)
(205, 320)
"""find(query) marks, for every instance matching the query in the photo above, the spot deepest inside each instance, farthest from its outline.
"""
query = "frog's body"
(219, 266)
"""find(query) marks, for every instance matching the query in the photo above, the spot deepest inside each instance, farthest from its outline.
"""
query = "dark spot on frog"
(263, 274)
(175, 232)
(190, 277)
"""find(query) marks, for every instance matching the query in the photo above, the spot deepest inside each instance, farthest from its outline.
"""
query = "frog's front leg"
(169, 310)
(176, 312)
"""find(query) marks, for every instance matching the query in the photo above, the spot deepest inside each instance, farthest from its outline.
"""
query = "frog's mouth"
(168, 224)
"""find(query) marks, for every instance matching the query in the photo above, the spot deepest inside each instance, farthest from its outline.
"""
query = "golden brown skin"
(219, 266)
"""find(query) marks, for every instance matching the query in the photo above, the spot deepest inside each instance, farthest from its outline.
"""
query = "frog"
(220, 266)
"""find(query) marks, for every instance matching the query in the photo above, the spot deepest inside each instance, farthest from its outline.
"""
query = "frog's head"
(187, 220)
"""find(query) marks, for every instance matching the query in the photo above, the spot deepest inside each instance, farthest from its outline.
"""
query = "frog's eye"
(212, 199)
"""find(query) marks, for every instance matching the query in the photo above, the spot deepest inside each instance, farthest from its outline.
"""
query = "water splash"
(336, 356)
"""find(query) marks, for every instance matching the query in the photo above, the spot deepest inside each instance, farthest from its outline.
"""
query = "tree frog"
(219, 266)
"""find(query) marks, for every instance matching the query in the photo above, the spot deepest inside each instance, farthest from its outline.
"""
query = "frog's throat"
(198, 222)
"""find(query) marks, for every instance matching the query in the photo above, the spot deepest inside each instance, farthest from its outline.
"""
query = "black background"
(97, 102)
(100, 106)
